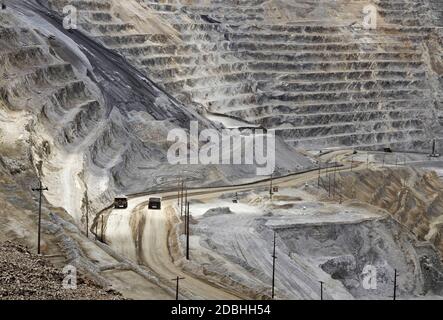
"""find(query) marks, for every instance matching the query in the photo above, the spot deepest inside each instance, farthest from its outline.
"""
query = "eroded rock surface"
(308, 69)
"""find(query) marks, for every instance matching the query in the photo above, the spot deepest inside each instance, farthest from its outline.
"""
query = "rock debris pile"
(25, 275)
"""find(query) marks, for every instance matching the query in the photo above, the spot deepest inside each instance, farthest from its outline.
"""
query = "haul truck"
(155, 203)
(121, 202)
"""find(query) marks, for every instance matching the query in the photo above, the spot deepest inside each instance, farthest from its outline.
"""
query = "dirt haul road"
(143, 235)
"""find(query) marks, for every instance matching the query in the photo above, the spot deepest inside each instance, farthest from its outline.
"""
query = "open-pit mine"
(221, 149)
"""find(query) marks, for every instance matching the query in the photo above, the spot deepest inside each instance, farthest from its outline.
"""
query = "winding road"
(143, 235)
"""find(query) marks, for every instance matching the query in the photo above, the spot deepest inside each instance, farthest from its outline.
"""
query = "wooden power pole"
(181, 198)
(87, 214)
(103, 229)
(270, 189)
(321, 290)
(176, 286)
(273, 269)
(178, 191)
(335, 178)
(40, 189)
(188, 231)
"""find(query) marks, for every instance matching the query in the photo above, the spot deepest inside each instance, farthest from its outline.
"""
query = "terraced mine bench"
(320, 81)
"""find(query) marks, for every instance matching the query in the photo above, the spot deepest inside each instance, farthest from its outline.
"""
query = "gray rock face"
(383, 244)
(217, 211)
(309, 70)
(355, 253)
(93, 121)
(340, 267)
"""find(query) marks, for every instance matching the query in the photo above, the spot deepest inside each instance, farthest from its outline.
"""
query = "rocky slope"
(88, 120)
(26, 276)
(88, 112)
(85, 121)
(316, 240)
(308, 69)
(413, 197)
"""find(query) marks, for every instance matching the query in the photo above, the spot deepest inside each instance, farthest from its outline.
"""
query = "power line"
(40, 189)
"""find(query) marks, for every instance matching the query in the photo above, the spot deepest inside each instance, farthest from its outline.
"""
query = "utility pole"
(321, 290)
(87, 214)
(186, 221)
(188, 232)
(187, 224)
(434, 153)
(383, 160)
(273, 269)
(329, 185)
(352, 162)
(395, 284)
(40, 189)
(178, 191)
(335, 180)
(103, 228)
(181, 199)
(186, 198)
(270, 189)
(319, 173)
(176, 288)
(367, 160)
